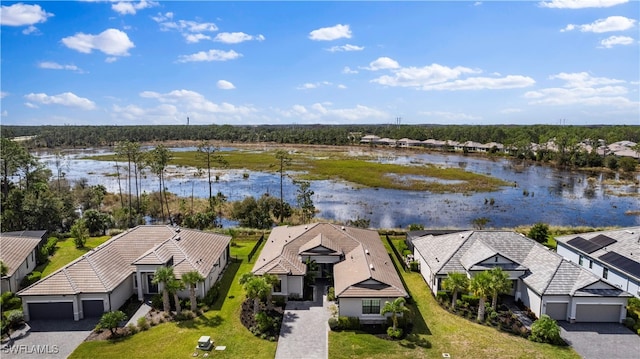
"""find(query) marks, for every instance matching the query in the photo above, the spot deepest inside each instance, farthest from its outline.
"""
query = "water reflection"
(538, 193)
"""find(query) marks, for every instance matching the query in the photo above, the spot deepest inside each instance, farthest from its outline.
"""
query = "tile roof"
(102, 269)
(365, 271)
(626, 247)
(546, 271)
(14, 249)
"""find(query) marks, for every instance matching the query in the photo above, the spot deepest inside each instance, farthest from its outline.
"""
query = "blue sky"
(574, 62)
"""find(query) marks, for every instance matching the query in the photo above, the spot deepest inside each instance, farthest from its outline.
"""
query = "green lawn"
(178, 340)
(446, 333)
(66, 252)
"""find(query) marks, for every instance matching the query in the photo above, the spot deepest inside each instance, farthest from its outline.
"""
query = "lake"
(538, 194)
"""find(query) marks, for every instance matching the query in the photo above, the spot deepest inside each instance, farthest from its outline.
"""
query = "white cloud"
(510, 110)
(383, 63)
(111, 42)
(22, 14)
(349, 71)
(131, 7)
(161, 114)
(322, 112)
(5, 113)
(3, 94)
(192, 31)
(225, 85)
(346, 47)
(331, 33)
(56, 66)
(31, 30)
(580, 4)
(68, 99)
(342, 87)
(236, 37)
(110, 59)
(439, 77)
(452, 116)
(477, 3)
(309, 85)
(211, 55)
(612, 23)
(612, 41)
(583, 89)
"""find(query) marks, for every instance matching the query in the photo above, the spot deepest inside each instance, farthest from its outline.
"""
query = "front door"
(153, 287)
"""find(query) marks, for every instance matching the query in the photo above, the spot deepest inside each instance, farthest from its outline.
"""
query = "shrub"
(30, 278)
(212, 294)
(634, 304)
(545, 330)
(14, 318)
(334, 324)
(629, 322)
(442, 296)
(349, 323)
(331, 295)
(9, 301)
(142, 323)
(132, 328)
(395, 334)
(539, 232)
(156, 302)
(414, 266)
(185, 315)
(111, 320)
(471, 300)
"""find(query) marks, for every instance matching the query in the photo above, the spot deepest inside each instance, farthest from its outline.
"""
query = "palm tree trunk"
(165, 300)
(192, 295)
(454, 298)
(256, 305)
(177, 300)
(481, 309)
(494, 301)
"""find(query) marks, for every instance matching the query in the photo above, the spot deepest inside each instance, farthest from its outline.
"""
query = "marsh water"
(537, 193)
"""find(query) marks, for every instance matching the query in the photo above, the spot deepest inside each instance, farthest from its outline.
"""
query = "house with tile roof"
(364, 277)
(104, 278)
(613, 255)
(19, 252)
(544, 281)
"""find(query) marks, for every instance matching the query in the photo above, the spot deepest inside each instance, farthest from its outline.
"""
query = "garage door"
(557, 311)
(50, 311)
(92, 308)
(597, 313)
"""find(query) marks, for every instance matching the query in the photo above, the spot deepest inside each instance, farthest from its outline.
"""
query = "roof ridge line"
(71, 282)
(444, 263)
(186, 257)
(555, 272)
(93, 266)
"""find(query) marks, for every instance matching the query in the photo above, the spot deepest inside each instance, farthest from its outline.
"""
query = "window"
(580, 260)
(370, 306)
(277, 287)
(605, 273)
(590, 264)
(135, 281)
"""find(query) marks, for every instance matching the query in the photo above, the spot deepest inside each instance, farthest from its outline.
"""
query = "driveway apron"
(305, 329)
(47, 339)
(601, 340)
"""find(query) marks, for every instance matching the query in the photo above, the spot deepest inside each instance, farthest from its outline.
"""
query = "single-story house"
(613, 255)
(364, 277)
(410, 236)
(104, 278)
(19, 252)
(542, 279)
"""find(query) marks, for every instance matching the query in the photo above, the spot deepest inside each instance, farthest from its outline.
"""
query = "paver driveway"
(47, 339)
(601, 340)
(305, 329)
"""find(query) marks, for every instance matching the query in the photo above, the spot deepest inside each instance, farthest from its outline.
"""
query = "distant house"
(19, 252)
(364, 277)
(371, 139)
(104, 278)
(542, 279)
(612, 255)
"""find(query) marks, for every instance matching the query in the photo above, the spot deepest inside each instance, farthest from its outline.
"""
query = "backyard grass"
(178, 340)
(445, 333)
(358, 169)
(66, 252)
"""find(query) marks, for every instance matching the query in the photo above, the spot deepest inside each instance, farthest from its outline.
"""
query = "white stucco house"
(364, 277)
(613, 255)
(19, 252)
(103, 279)
(544, 281)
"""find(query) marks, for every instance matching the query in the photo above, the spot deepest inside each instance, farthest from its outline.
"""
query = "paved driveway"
(305, 330)
(47, 339)
(601, 340)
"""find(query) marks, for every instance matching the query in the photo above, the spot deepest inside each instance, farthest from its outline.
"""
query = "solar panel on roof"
(584, 245)
(602, 240)
(621, 262)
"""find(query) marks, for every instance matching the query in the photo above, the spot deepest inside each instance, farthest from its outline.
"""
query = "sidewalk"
(141, 312)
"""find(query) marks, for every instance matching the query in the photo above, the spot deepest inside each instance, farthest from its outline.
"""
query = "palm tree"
(455, 282)
(480, 286)
(256, 288)
(174, 286)
(271, 280)
(396, 307)
(191, 279)
(164, 275)
(499, 284)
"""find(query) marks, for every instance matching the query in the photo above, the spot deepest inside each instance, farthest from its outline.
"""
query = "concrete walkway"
(305, 329)
(141, 312)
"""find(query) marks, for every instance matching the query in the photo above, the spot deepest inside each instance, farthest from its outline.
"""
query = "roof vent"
(371, 266)
(366, 251)
(305, 227)
(177, 229)
(177, 238)
(343, 228)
